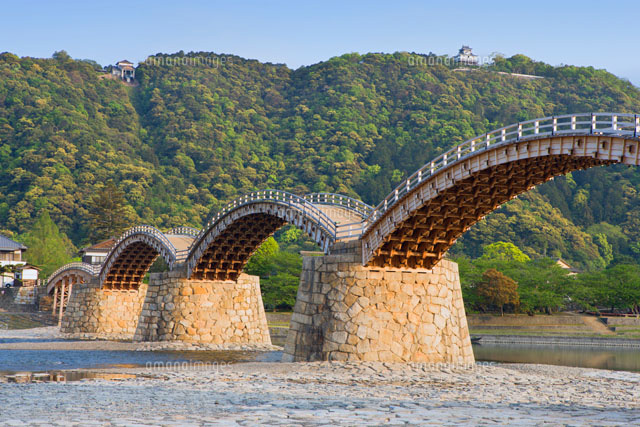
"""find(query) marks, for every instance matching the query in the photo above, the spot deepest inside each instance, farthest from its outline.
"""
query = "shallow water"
(48, 360)
(616, 359)
(11, 361)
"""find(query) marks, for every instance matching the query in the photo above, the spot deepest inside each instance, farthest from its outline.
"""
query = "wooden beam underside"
(423, 238)
(227, 255)
(128, 271)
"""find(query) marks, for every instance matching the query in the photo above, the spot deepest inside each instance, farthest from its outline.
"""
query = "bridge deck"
(181, 243)
(340, 215)
(349, 223)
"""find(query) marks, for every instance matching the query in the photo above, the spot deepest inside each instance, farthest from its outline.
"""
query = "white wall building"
(125, 70)
(27, 275)
(11, 253)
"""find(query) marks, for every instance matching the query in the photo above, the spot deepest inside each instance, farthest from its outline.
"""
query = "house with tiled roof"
(96, 254)
(11, 254)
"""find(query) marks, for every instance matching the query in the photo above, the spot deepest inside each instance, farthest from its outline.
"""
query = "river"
(612, 358)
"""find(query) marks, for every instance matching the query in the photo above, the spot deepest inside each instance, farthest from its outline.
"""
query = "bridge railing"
(351, 230)
(617, 124)
(93, 270)
(346, 202)
(275, 196)
(148, 230)
(184, 231)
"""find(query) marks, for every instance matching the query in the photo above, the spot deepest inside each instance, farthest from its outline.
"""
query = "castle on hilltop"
(466, 57)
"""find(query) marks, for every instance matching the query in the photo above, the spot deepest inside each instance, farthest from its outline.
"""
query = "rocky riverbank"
(332, 394)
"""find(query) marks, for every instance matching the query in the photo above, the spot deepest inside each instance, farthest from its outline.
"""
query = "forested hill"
(191, 137)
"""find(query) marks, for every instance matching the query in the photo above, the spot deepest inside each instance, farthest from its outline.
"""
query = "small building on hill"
(96, 254)
(563, 264)
(125, 70)
(466, 57)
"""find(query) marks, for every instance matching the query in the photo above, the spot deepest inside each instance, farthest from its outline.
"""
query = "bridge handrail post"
(593, 123)
(636, 131)
(614, 122)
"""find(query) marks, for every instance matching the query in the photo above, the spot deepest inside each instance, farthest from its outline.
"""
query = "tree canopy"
(189, 139)
(47, 247)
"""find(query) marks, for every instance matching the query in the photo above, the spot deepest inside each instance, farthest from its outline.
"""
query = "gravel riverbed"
(332, 394)
(325, 393)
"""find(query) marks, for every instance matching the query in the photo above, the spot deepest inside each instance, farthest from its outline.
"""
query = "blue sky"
(301, 33)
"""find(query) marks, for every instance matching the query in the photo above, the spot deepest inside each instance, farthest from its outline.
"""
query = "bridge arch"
(134, 253)
(422, 218)
(228, 240)
(74, 272)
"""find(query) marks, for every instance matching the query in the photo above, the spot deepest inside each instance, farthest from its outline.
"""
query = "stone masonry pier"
(171, 308)
(203, 311)
(345, 311)
(93, 312)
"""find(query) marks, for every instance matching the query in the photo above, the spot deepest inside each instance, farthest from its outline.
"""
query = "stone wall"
(102, 313)
(203, 311)
(26, 295)
(345, 311)
(515, 320)
(622, 321)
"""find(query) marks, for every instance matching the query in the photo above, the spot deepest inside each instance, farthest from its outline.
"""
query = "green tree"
(48, 248)
(108, 213)
(257, 264)
(279, 273)
(606, 251)
(623, 287)
(498, 290)
(280, 282)
(503, 251)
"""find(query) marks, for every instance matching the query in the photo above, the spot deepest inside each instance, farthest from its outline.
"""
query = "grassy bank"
(565, 325)
(571, 325)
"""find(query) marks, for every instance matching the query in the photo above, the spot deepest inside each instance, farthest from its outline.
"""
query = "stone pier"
(345, 311)
(203, 311)
(93, 312)
(171, 308)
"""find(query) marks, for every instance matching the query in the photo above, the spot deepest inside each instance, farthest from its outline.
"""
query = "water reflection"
(50, 360)
(617, 359)
(61, 376)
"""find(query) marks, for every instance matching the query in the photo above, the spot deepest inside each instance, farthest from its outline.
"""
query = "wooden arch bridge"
(412, 227)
